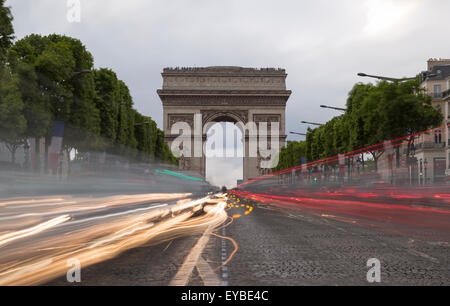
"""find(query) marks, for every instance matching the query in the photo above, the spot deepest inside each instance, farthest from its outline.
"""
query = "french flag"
(55, 147)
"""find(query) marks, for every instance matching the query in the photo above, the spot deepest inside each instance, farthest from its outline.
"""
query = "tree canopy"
(45, 79)
(6, 30)
(375, 113)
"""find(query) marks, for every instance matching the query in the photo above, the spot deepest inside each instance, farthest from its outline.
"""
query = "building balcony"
(429, 145)
(446, 94)
(435, 95)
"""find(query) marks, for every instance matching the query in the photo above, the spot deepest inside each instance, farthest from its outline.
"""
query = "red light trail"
(344, 155)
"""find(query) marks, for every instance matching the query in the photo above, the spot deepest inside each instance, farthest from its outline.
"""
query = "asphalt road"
(267, 244)
(280, 246)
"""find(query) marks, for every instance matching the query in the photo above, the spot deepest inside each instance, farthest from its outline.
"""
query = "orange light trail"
(92, 239)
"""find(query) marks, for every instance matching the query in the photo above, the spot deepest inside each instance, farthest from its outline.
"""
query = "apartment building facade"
(446, 102)
(432, 148)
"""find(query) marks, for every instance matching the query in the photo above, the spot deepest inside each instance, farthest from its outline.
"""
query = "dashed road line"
(224, 258)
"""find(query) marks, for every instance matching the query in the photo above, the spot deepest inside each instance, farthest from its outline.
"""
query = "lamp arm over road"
(302, 134)
(334, 107)
(312, 123)
(383, 78)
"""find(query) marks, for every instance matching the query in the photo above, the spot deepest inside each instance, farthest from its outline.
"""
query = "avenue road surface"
(269, 241)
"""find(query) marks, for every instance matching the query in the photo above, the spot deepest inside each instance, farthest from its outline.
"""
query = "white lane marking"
(4, 239)
(185, 271)
(207, 274)
(422, 254)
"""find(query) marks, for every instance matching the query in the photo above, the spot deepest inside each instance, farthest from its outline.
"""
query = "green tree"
(163, 153)
(375, 113)
(54, 83)
(52, 79)
(146, 133)
(125, 134)
(12, 121)
(108, 102)
(84, 114)
(392, 110)
(291, 155)
(6, 31)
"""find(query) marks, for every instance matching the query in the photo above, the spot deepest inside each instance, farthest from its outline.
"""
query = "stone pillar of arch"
(224, 93)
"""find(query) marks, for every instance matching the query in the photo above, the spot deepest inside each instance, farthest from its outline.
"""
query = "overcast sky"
(321, 44)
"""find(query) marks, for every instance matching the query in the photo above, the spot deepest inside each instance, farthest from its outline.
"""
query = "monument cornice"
(215, 92)
(225, 100)
(223, 71)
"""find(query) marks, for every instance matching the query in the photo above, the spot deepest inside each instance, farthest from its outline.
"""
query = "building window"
(437, 136)
(437, 91)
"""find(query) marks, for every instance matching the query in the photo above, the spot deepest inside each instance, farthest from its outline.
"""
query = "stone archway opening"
(224, 153)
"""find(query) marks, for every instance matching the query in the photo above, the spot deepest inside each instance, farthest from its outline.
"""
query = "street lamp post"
(76, 73)
(383, 78)
(334, 107)
(142, 123)
(312, 123)
(301, 134)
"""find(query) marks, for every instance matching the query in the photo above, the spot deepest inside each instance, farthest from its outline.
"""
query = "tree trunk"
(397, 156)
(26, 149)
(68, 162)
(46, 146)
(362, 162)
(375, 159)
(37, 155)
(13, 150)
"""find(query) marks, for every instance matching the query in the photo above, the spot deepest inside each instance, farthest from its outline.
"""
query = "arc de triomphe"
(224, 93)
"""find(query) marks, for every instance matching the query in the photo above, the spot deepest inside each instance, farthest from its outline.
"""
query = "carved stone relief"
(173, 118)
(266, 118)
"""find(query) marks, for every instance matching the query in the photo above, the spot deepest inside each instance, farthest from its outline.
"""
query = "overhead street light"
(81, 72)
(383, 78)
(302, 134)
(313, 123)
(335, 108)
(142, 123)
